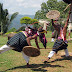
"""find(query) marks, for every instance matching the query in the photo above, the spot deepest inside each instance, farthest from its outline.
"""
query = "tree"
(25, 20)
(5, 21)
(34, 22)
(3, 14)
(8, 21)
(38, 14)
(28, 20)
(51, 5)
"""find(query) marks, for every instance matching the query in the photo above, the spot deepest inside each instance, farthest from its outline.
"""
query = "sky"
(24, 7)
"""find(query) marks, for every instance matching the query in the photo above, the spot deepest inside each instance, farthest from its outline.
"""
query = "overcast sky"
(22, 6)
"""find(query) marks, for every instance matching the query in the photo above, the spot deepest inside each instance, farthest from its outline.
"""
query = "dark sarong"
(18, 41)
(59, 45)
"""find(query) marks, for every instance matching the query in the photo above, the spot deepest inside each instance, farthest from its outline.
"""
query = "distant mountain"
(16, 22)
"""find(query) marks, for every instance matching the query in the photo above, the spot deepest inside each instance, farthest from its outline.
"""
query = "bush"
(21, 29)
(12, 30)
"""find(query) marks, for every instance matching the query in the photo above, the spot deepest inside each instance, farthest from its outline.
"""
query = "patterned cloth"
(18, 41)
(59, 45)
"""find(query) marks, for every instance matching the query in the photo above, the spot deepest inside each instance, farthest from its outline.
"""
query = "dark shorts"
(18, 41)
(59, 45)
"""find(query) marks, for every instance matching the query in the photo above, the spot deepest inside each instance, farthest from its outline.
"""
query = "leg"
(49, 56)
(66, 52)
(5, 48)
(52, 40)
(26, 58)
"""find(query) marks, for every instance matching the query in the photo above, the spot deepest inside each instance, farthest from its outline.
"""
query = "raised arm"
(55, 26)
(66, 24)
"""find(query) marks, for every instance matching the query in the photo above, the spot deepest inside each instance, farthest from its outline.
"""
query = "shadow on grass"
(34, 67)
(63, 58)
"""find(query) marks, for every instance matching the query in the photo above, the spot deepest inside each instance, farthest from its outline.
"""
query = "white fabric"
(51, 54)
(52, 40)
(5, 48)
(25, 57)
(66, 52)
(29, 31)
(45, 27)
(37, 32)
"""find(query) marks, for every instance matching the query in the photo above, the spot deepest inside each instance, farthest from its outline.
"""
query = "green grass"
(12, 61)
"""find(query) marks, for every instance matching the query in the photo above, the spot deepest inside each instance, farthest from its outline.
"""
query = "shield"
(31, 51)
(53, 14)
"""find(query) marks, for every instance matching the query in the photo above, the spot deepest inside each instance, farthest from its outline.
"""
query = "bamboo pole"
(70, 23)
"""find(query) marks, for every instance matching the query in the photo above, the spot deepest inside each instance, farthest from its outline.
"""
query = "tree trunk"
(70, 21)
(1, 28)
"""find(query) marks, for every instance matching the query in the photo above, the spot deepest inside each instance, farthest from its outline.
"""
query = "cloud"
(19, 0)
(22, 6)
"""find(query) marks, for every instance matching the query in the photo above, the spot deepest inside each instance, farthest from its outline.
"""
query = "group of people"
(22, 39)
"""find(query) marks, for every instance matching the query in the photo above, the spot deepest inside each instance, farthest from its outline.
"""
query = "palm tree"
(5, 21)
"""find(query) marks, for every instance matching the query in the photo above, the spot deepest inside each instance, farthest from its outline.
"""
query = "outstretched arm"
(32, 37)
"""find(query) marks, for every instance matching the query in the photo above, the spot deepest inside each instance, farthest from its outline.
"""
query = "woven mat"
(31, 51)
(53, 14)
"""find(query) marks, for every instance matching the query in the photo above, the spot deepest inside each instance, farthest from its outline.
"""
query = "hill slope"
(16, 22)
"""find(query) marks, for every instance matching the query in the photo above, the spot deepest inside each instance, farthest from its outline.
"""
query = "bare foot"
(28, 65)
(46, 61)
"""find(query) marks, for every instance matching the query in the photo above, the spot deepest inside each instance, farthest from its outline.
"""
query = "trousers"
(5, 48)
(53, 52)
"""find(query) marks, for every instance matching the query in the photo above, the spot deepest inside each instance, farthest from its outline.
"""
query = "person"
(42, 37)
(54, 35)
(54, 32)
(61, 42)
(18, 41)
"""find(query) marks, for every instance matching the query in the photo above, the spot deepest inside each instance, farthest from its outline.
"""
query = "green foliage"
(28, 20)
(51, 5)
(12, 30)
(25, 20)
(21, 29)
(13, 16)
(35, 23)
(5, 21)
(3, 18)
(33, 20)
